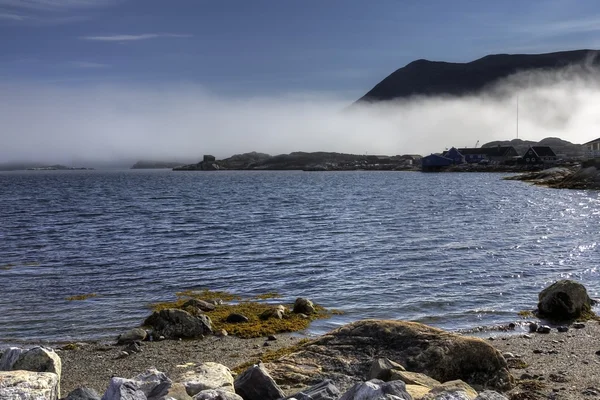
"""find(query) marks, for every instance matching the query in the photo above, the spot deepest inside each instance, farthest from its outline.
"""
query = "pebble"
(121, 355)
(508, 355)
(537, 351)
(578, 325)
(543, 329)
(563, 329)
(272, 337)
(526, 376)
(598, 353)
(266, 344)
(533, 327)
(526, 336)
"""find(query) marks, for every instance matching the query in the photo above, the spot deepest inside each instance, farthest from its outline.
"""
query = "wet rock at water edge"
(544, 329)
(235, 318)
(275, 312)
(132, 335)
(199, 304)
(533, 327)
(255, 383)
(174, 324)
(303, 306)
(564, 300)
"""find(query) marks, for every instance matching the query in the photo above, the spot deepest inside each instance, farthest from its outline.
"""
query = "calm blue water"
(451, 250)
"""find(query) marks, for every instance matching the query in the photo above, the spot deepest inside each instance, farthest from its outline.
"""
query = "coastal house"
(592, 149)
(496, 154)
(539, 155)
(435, 162)
(455, 155)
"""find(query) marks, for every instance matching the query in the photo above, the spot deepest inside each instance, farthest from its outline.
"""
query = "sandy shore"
(546, 366)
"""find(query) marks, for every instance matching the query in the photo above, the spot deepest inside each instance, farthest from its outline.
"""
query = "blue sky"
(241, 48)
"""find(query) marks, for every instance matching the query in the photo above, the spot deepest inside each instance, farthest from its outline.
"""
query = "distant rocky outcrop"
(562, 148)
(435, 78)
(244, 161)
(145, 164)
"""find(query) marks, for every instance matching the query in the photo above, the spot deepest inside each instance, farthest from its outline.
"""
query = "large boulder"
(149, 385)
(377, 390)
(209, 375)
(174, 324)
(563, 301)
(303, 306)
(255, 383)
(39, 359)
(345, 356)
(28, 385)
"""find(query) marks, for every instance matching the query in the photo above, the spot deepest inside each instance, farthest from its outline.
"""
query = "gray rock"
(303, 306)
(149, 385)
(9, 358)
(563, 329)
(376, 389)
(255, 383)
(578, 325)
(236, 318)
(381, 368)
(276, 312)
(28, 385)
(83, 394)
(564, 300)
(533, 327)
(208, 375)
(135, 347)
(174, 324)
(199, 304)
(40, 359)
(133, 335)
(325, 390)
(217, 394)
(543, 329)
(490, 395)
(448, 395)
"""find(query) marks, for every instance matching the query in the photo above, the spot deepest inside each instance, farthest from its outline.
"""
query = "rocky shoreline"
(368, 359)
(586, 177)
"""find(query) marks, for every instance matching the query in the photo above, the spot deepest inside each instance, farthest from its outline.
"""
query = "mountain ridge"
(434, 78)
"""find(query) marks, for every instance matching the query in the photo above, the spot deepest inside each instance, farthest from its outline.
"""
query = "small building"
(435, 162)
(592, 149)
(539, 155)
(456, 156)
(497, 154)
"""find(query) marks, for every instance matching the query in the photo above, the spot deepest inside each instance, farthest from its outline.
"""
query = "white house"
(592, 148)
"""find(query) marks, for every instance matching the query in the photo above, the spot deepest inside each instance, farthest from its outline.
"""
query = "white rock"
(376, 389)
(208, 375)
(28, 385)
(217, 394)
(40, 359)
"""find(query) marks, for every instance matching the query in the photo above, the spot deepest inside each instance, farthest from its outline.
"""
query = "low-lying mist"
(50, 123)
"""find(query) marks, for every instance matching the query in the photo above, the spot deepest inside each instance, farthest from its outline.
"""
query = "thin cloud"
(54, 4)
(12, 17)
(88, 64)
(581, 25)
(129, 38)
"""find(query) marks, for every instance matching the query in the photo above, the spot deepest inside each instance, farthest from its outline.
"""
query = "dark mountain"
(561, 147)
(429, 78)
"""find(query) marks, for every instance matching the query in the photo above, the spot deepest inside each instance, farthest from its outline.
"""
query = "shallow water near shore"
(450, 250)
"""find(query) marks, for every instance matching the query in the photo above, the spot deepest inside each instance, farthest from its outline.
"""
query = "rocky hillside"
(431, 78)
(562, 148)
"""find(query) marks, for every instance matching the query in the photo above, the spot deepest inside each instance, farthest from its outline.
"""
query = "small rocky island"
(366, 360)
(585, 177)
(317, 161)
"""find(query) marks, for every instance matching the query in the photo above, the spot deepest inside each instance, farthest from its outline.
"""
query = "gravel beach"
(547, 366)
